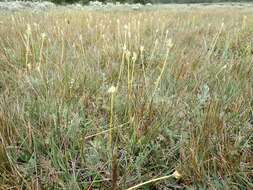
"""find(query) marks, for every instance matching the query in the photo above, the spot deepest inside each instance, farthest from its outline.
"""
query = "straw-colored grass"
(155, 99)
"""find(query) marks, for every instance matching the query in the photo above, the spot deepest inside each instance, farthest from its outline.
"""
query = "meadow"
(123, 99)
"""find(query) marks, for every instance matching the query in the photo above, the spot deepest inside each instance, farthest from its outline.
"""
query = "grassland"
(112, 99)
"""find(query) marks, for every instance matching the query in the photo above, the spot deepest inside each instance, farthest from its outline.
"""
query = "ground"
(111, 99)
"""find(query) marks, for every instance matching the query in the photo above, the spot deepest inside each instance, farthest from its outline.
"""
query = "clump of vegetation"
(152, 99)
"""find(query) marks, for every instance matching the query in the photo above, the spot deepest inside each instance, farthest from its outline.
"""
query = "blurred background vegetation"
(143, 1)
(154, 1)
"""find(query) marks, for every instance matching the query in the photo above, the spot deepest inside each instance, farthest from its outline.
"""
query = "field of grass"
(114, 99)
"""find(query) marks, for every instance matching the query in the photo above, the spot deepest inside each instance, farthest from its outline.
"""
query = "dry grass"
(182, 99)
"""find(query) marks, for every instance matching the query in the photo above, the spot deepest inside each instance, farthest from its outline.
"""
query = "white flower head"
(129, 34)
(124, 47)
(176, 174)
(28, 29)
(80, 37)
(156, 42)
(141, 48)
(72, 82)
(128, 54)
(169, 43)
(29, 66)
(134, 57)
(43, 35)
(112, 90)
